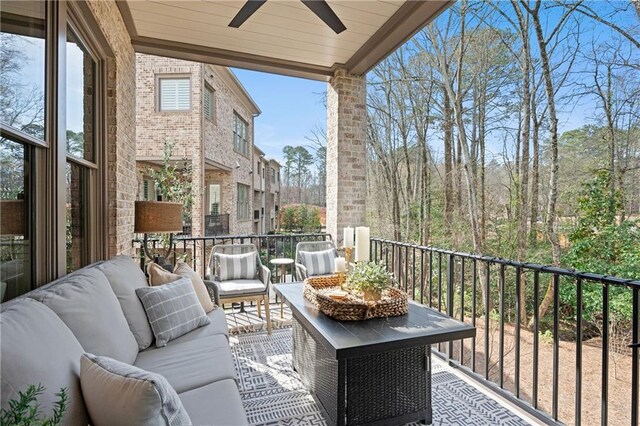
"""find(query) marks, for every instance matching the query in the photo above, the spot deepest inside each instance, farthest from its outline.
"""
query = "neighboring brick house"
(266, 192)
(208, 116)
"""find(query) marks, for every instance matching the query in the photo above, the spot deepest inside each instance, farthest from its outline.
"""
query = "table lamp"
(157, 217)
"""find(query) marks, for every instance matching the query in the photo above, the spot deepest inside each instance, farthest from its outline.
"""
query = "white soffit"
(282, 36)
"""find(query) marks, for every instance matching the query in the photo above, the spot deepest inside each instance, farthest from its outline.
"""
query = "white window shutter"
(175, 94)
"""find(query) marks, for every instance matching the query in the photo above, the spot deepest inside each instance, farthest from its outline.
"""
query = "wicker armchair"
(241, 290)
(301, 269)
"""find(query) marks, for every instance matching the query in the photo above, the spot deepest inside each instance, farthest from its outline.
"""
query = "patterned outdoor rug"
(273, 394)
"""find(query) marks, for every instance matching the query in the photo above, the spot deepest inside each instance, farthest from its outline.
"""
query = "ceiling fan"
(319, 7)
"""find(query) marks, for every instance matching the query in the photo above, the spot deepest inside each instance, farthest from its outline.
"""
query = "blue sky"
(291, 109)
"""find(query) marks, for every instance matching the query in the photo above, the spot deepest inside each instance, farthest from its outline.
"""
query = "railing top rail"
(604, 279)
(236, 236)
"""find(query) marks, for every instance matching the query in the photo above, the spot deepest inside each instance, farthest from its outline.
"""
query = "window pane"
(15, 244)
(81, 69)
(175, 94)
(77, 244)
(22, 66)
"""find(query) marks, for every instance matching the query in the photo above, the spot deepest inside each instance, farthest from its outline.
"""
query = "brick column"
(346, 152)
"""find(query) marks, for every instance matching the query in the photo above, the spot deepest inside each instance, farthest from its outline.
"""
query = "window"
(209, 104)
(273, 175)
(240, 131)
(54, 141)
(81, 110)
(213, 199)
(148, 190)
(175, 93)
(244, 209)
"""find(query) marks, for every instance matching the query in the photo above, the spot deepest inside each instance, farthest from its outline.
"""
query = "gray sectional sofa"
(45, 332)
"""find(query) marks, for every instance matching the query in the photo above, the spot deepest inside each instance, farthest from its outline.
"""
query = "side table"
(281, 262)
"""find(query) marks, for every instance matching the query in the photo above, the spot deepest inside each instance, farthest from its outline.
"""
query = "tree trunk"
(553, 149)
(448, 161)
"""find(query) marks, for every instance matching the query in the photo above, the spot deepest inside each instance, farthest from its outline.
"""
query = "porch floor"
(274, 395)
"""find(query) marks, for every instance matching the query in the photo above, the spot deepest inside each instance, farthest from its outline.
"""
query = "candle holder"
(342, 276)
(347, 257)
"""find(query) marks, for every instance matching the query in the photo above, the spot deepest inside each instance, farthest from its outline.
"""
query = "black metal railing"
(196, 250)
(486, 292)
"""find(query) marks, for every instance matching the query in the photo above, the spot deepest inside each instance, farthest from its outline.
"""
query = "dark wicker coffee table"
(368, 372)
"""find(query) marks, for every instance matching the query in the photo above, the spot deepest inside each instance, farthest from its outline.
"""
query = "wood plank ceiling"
(282, 36)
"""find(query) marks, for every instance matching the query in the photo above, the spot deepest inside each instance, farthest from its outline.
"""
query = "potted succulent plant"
(369, 278)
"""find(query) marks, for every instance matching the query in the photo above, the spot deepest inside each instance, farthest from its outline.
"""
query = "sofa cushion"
(37, 347)
(190, 364)
(236, 266)
(159, 276)
(87, 305)
(125, 276)
(319, 262)
(217, 326)
(121, 394)
(184, 270)
(218, 403)
(238, 287)
(173, 310)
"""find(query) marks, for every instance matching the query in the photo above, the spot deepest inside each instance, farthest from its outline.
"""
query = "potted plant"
(173, 183)
(369, 278)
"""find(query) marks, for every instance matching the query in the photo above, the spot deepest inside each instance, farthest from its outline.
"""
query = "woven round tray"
(353, 307)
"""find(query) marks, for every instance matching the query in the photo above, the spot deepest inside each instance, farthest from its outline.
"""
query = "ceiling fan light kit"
(319, 7)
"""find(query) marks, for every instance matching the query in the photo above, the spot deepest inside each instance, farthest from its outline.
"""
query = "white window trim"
(158, 87)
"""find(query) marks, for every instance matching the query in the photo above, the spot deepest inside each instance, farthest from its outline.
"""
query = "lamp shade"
(12, 217)
(158, 217)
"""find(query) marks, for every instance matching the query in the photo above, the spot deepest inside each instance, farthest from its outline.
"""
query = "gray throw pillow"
(120, 394)
(319, 262)
(172, 309)
(236, 266)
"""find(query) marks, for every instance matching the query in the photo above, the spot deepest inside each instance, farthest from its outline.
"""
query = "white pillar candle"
(341, 265)
(347, 240)
(362, 244)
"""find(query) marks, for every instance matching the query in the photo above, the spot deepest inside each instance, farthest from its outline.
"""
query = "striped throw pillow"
(319, 262)
(236, 266)
(172, 309)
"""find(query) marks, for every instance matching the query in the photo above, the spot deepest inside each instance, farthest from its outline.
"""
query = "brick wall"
(183, 129)
(121, 127)
(195, 137)
(346, 152)
(218, 145)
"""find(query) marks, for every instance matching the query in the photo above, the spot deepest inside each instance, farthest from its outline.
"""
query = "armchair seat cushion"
(241, 287)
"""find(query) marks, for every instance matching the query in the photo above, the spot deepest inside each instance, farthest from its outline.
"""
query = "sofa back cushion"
(85, 302)
(125, 276)
(38, 348)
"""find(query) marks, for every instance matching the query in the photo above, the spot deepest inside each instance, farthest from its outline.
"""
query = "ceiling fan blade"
(245, 13)
(324, 12)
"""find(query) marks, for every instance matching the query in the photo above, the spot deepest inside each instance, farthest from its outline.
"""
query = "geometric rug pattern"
(273, 394)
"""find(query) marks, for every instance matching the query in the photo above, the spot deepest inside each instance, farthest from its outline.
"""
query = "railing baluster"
(578, 406)
(536, 330)
(450, 295)
(486, 320)
(461, 360)
(501, 313)
(635, 352)
(413, 276)
(556, 343)
(421, 276)
(604, 413)
(430, 278)
(473, 314)
(440, 282)
(517, 333)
